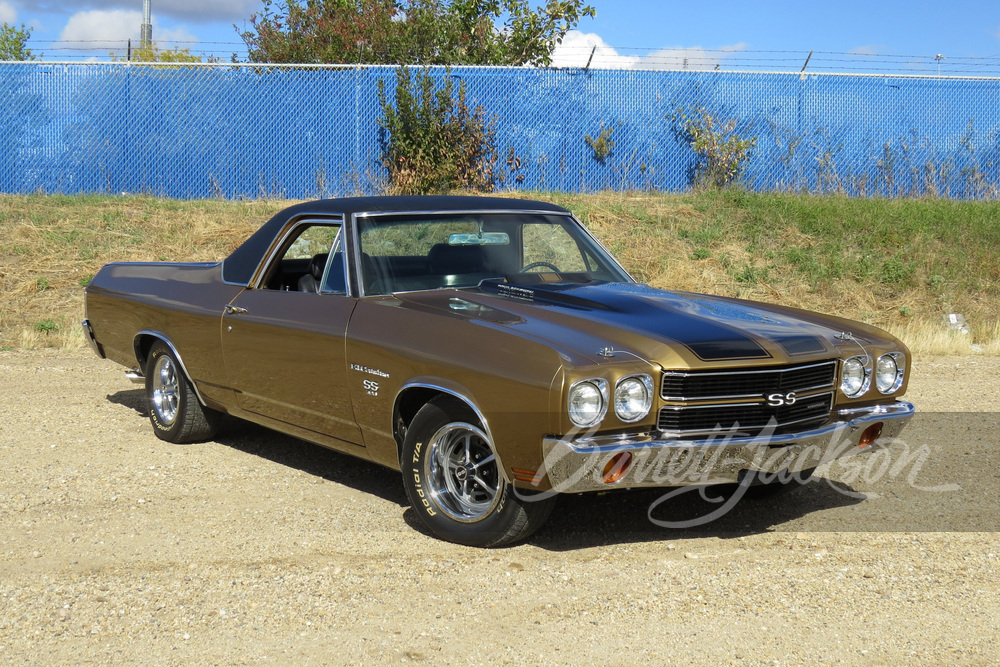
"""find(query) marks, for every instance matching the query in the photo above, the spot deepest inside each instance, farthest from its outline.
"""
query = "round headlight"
(633, 398)
(888, 375)
(854, 377)
(586, 403)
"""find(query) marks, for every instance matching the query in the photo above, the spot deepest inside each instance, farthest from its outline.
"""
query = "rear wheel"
(173, 407)
(455, 484)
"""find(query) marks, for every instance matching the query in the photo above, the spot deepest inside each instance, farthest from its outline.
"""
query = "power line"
(628, 57)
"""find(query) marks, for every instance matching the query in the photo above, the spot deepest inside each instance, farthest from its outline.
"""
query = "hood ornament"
(606, 352)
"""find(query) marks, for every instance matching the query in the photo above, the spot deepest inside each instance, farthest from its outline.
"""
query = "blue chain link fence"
(243, 131)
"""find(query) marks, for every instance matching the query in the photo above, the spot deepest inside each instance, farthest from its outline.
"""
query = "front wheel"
(173, 407)
(455, 485)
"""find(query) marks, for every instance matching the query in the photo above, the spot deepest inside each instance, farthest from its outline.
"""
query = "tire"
(455, 485)
(172, 405)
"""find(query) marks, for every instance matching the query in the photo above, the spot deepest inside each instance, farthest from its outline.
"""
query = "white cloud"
(7, 13)
(167, 37)
(577, 47)
(99, 29)
(195, 10)
(693, 58)
(867, 50)
(110, 30)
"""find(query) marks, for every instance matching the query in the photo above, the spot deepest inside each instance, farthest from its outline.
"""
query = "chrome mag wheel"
(461, 472)
(165, 395)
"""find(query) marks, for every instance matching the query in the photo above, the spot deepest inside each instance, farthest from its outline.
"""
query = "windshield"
(403, 253)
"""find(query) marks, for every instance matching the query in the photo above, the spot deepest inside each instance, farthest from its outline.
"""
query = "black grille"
(803, 393)
(750, 419)
(695, 385)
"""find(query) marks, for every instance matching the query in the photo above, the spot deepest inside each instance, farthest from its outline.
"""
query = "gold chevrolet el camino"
(497, 355)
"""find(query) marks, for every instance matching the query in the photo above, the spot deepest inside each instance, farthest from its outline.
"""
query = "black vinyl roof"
(239, 266)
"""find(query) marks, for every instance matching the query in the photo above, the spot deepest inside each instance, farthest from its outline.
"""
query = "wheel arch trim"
(137, 345)
(454, 393)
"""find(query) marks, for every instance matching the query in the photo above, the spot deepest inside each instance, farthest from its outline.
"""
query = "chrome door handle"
(235, 310)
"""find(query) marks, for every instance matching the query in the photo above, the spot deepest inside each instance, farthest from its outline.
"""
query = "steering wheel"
(535, 265)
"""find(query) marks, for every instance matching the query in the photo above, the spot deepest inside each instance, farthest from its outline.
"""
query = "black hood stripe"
(708, 340)
(800, 344)
(642, 308)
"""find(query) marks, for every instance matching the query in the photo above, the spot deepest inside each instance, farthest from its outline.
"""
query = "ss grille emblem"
(777, 400)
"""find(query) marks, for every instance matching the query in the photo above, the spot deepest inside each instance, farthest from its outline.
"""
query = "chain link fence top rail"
(300, 132)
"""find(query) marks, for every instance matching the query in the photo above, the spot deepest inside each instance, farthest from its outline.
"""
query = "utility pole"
(146, 32)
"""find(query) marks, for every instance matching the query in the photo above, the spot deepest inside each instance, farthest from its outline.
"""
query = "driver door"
(284, 344)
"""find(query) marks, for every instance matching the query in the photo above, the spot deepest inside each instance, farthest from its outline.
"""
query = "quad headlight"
(889, 372)
(854, 377)
(588, 401)
(633, 397)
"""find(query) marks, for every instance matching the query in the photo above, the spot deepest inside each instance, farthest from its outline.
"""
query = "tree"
(13, 43)
(151, 54)
(404, 32)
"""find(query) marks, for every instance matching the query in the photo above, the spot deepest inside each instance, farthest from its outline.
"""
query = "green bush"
(432, 141)
(603, 145)
(722, 154)
(46, 327)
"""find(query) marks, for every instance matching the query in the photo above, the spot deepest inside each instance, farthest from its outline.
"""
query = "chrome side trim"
(166, 341)
(355, 271)
(472, 406)
(463, 211)
(576, 464)
(189, 264)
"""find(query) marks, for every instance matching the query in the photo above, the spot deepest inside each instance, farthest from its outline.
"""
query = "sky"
(905, 36)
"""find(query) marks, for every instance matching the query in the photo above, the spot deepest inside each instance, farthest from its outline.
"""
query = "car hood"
(612, 322)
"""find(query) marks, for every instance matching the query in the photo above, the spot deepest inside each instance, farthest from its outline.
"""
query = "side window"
(551, 246)
(314, 240)
(301, 264)
(336, 276)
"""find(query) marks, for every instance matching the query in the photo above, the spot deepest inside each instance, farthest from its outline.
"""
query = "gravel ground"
(256, 548)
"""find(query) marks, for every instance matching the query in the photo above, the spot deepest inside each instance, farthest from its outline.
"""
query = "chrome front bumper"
(578, 464)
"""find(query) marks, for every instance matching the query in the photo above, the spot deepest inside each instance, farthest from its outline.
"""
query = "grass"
(900, 264)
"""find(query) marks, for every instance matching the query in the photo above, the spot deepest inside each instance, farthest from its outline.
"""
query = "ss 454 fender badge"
(370, 386)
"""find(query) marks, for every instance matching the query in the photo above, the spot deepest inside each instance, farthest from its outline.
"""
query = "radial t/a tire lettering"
(455, 484)
(171, 402)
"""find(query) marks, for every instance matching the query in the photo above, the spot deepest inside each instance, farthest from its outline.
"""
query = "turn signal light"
(523, 475)
(616, 467)
(870, 435)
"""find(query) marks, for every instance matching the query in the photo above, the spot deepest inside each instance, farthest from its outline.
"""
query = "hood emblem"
(503, 289)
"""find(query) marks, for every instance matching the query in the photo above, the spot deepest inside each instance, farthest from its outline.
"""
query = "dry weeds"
(51, 246)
